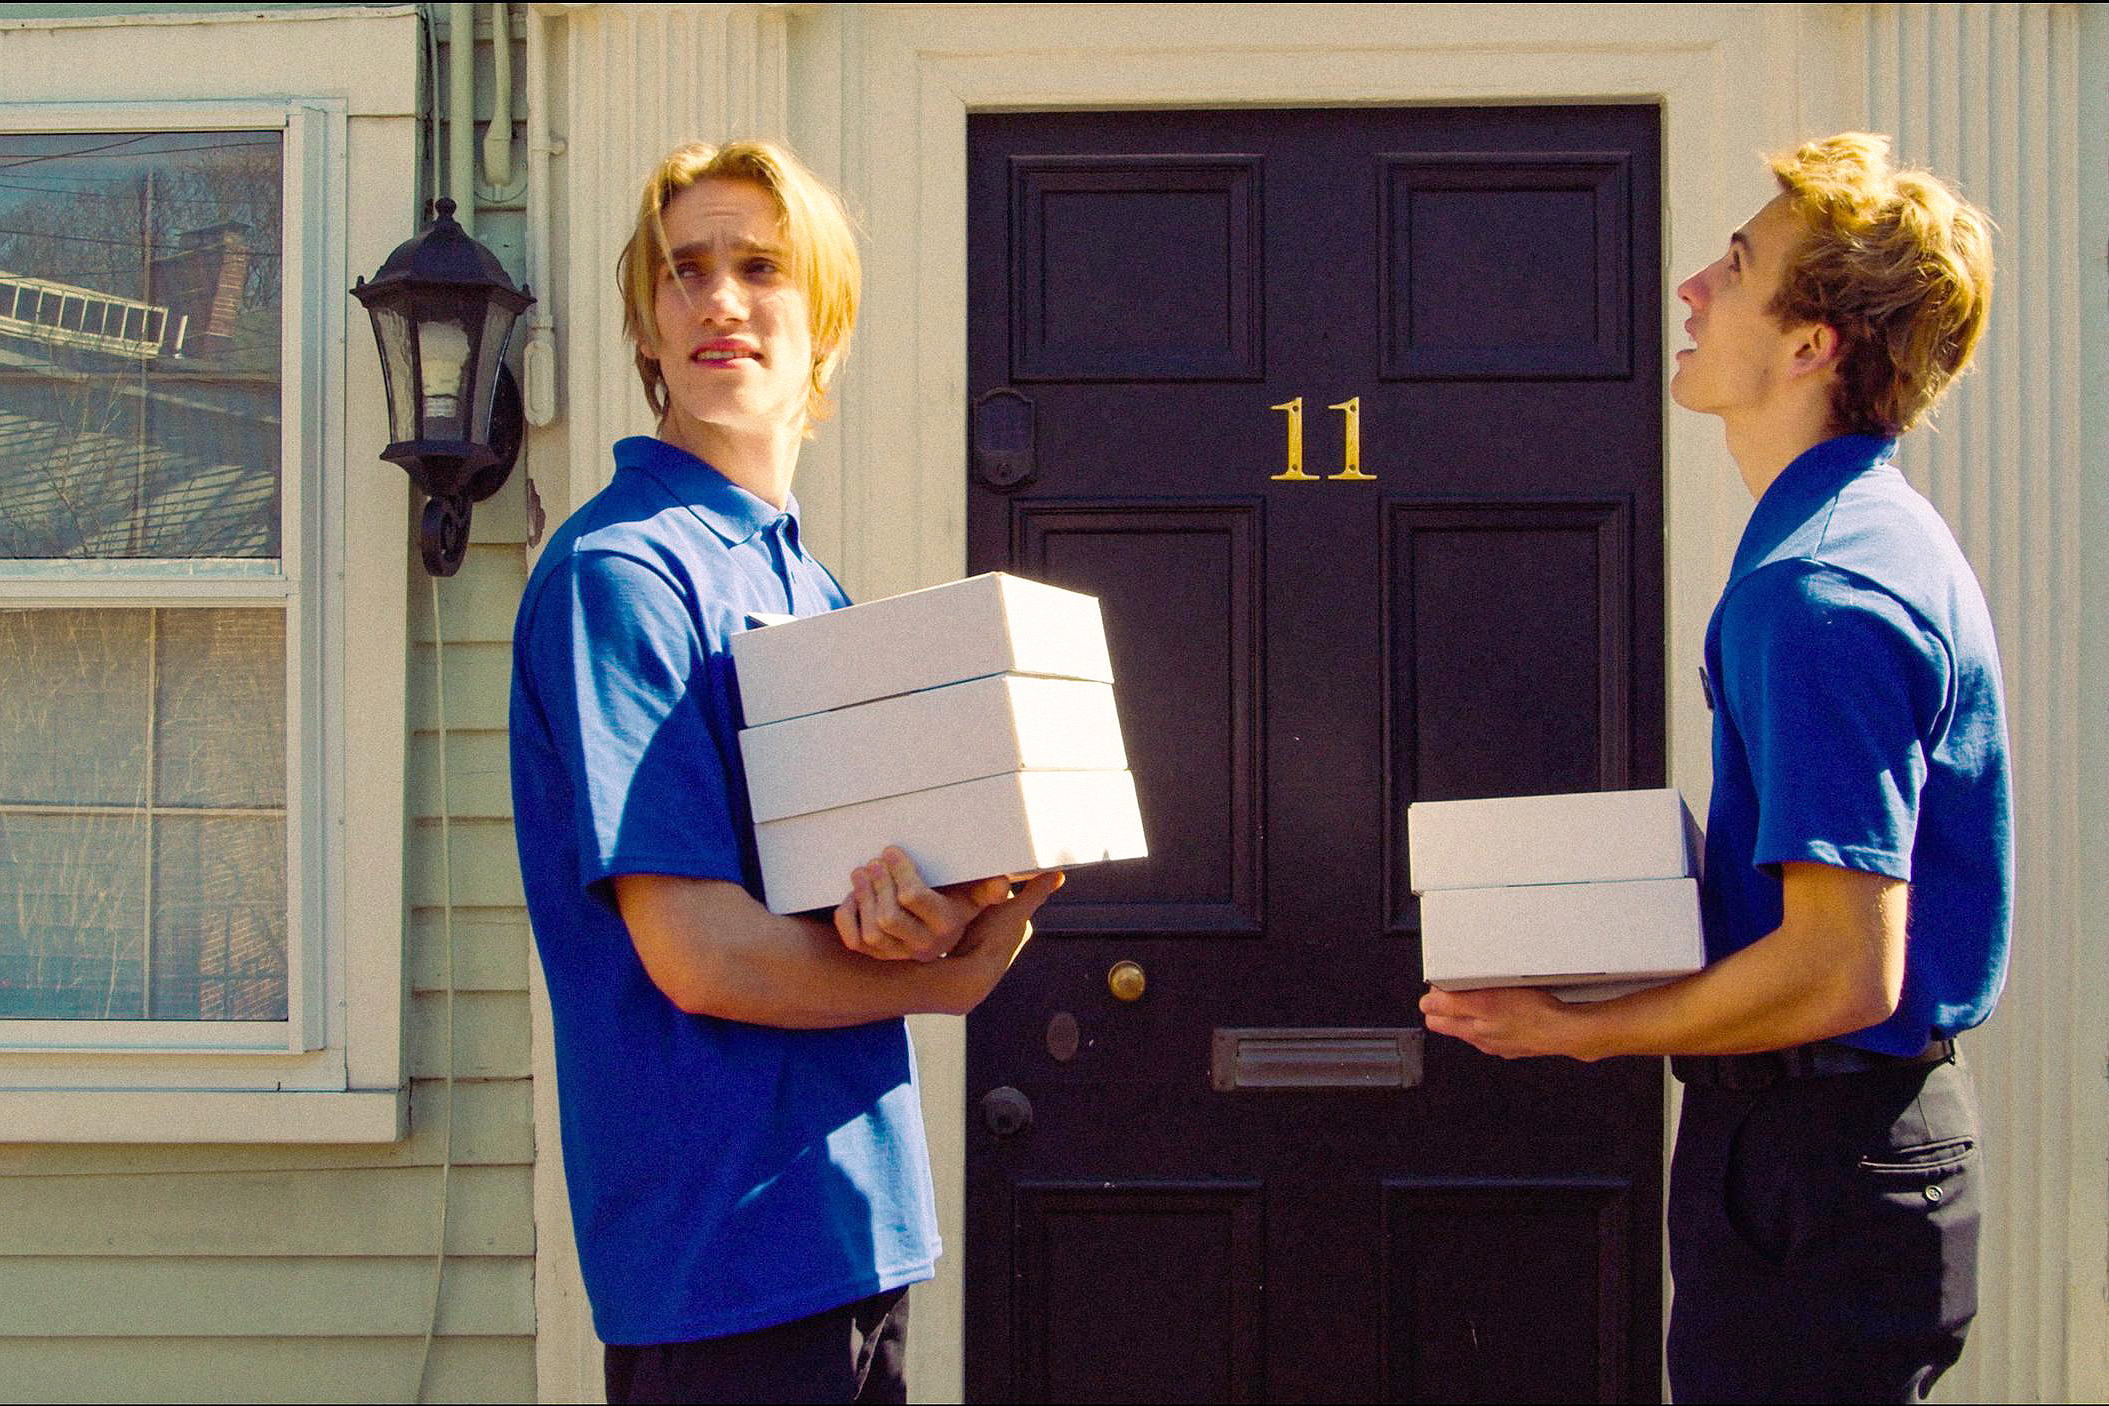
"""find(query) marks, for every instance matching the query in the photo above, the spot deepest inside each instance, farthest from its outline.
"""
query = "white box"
(1590, 836)
(918, 741)
(989, 624)
(1007, 824)
(1561, 934)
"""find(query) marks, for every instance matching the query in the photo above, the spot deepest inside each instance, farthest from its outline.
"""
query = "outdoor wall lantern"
(443, 310)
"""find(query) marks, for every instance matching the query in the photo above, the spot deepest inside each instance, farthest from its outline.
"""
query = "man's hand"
(1511, 1021)
(994, 940)
(891, 914)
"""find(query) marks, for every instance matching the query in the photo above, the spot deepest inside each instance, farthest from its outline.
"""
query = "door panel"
(1507, 266)
(1508, 647)
(1162, 1277)
(1462, 1327)
(1476, 611)
(1179, 588)
(1131, 267)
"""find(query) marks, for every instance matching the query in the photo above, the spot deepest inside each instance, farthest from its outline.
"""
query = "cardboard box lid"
(994, 623)
(1561, 933)
(935, 737)
(1006, 824)
(1582, 837)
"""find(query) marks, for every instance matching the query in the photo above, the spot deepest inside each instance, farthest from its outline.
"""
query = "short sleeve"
(1834, 688)
(623, 680)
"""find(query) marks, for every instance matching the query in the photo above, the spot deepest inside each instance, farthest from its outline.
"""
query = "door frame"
(885, 115)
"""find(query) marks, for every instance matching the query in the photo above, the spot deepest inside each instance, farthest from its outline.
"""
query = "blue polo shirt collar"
(1813, 477)
(727, 509)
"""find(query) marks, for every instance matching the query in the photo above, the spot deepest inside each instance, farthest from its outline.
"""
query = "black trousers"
(855, 1353)
(1823, 1236)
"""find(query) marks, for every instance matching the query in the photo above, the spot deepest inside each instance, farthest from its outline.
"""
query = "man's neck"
(762, 461)
(1768, 439)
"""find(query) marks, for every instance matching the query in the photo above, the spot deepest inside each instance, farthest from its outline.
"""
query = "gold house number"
(1351, 448)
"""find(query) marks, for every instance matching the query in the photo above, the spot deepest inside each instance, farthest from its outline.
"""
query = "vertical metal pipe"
(461, 112)
(538, 362)
(498, 137)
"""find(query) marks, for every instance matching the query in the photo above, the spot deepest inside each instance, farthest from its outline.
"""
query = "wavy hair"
(1897, 264)
(816, 232)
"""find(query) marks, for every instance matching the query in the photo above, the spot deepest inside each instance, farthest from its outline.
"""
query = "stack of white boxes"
(1593, 894)
(971, 724)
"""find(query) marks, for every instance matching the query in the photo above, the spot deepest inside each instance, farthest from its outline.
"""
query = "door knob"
(1006, 1111)
(1126, 981)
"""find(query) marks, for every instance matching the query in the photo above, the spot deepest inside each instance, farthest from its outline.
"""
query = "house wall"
(1997, 97)
(2007, 101)
(220, 1272)
(267, 1273)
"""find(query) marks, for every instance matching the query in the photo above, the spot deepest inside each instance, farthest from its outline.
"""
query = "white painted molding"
(629, 83)
(352, 1116)
(893, 133)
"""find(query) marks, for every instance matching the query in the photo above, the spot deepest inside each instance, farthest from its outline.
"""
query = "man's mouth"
(724, 353)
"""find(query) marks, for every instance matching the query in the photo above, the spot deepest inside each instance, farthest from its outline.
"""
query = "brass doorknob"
(1126, 981)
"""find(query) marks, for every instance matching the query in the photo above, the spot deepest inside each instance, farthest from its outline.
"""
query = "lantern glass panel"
(391, 327)
(497, 330)
(446, 361)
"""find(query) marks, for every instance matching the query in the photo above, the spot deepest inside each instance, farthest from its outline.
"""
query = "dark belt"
(1820, 1060)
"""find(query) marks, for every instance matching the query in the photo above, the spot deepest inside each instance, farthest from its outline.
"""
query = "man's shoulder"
(1807, 602)
(628, 536)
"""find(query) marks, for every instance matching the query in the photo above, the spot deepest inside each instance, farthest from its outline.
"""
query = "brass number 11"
(1294, 410)
(1351, 447)
(1351, 454)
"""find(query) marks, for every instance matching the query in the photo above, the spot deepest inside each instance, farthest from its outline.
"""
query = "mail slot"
(1321, 1057)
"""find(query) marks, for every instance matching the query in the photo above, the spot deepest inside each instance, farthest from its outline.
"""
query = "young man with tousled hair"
(742, 1131)
(1824, 1197)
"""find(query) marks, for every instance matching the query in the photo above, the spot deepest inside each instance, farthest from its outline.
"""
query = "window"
(143, 747)
(171, 751)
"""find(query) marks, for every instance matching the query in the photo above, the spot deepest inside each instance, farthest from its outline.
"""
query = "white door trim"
(884, 113)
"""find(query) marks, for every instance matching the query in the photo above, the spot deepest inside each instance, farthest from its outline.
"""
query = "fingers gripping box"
(1593, 894)
(971, 724)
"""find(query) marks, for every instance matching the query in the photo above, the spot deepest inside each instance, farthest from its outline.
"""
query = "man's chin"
(1682, 394)
(735, 408)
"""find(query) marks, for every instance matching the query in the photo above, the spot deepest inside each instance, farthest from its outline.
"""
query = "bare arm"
(1834, 965)
(715, 951)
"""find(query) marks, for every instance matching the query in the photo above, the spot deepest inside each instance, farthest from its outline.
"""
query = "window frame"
(333, 1069)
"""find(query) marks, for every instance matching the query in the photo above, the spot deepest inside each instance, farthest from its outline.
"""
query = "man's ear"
(1819, 347)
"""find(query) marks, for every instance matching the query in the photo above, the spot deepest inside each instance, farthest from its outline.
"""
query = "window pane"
(220, 710)
(73, 708)
(95, 704)
(139, 344)
(72, 916)
(219, 918)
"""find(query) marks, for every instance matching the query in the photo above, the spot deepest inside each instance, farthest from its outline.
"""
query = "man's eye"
(762, 268)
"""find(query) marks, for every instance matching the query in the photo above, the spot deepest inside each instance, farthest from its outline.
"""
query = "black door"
(1252, 1181)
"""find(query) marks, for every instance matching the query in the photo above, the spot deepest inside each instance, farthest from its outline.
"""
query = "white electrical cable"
(446, 887)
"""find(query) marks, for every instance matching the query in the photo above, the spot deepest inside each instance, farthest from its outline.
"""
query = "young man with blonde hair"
(1858, 885)
(742, 1131)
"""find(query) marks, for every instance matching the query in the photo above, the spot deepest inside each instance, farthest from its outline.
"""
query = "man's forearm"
(714, 951)
(1785, 989)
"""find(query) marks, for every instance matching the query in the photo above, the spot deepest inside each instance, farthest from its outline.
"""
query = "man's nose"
(1692, 292)
(721, 299)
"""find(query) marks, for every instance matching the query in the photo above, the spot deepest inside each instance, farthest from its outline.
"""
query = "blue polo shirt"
(1858, 722)
(723, 1177)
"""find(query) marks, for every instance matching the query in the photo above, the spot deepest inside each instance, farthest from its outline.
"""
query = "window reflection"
(140, 311)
